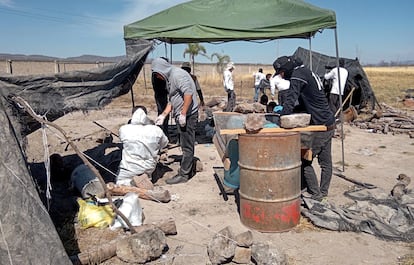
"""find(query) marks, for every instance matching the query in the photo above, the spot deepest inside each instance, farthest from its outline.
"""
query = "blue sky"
(371, 30)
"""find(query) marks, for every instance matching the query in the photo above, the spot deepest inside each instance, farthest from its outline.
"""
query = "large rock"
(265, 254)
(295, 120)
(222, 247)
(142, 247)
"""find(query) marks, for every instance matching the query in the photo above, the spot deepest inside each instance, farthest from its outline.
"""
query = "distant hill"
(82, 58)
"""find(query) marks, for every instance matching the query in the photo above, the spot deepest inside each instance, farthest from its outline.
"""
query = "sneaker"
(324, 200)
(306, 194)
(176, 179)
(317, 197)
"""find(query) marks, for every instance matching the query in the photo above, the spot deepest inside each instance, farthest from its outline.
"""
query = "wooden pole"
(343, 103)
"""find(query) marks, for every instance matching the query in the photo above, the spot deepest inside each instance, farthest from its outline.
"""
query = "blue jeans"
(256, 93)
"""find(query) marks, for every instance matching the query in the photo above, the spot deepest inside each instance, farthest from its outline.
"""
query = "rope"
(170, 208)
(156, 200)
(46, 158)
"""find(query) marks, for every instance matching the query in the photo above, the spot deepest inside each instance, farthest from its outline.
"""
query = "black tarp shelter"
(363, 95)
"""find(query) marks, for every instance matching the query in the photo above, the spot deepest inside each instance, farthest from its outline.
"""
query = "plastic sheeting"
(374, 212)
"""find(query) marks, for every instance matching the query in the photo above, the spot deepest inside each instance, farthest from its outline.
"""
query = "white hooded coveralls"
(142, 142)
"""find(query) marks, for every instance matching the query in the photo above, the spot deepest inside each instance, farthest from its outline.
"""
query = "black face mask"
(158, 84)
(287, 68)
(288, 73)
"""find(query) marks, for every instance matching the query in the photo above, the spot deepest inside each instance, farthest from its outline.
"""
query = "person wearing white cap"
(229, 87)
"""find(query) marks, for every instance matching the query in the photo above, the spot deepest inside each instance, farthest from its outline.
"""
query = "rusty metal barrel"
(270, 177)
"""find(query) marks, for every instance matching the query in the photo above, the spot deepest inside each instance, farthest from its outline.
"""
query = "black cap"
(282, 63)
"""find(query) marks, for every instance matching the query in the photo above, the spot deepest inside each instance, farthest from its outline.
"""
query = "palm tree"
(222, 60)
(193, 50)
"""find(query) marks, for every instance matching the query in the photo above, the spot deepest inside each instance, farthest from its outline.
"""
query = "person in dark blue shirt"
(305, 88)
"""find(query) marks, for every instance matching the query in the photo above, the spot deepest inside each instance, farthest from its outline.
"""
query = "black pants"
(321, 148)
(231, 100)
(161, 99)
(187, 142)
(334, 103)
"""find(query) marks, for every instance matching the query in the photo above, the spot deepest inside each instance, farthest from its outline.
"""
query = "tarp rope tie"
(172, 209)
(46, 158)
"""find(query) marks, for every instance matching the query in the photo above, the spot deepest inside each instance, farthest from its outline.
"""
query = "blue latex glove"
(278, 109)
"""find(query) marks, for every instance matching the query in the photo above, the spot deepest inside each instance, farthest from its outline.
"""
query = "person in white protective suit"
(142, 142)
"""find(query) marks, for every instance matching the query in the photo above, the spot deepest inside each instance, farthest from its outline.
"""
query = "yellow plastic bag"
(91, 215)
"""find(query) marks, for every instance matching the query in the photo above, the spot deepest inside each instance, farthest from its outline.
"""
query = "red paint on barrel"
(253, 213)
(289, 213)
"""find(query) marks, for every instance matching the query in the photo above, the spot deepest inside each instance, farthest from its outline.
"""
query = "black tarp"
(363, 96)
(27, 234)
(54, 95)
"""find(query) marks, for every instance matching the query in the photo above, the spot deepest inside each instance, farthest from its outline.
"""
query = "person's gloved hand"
(182, 120)
(278, 109)
(160, 119)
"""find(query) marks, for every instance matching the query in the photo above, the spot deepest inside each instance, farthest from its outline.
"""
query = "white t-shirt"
(258, 77)
(333, 74)
(277, 82)
(228, 80)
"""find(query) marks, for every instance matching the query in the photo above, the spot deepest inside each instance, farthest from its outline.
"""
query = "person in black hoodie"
(305, 88)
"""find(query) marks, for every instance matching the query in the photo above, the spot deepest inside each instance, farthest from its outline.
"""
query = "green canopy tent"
(232, 20)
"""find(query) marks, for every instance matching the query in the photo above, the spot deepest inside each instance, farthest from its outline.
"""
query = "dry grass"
(210, 81)
(390, 83)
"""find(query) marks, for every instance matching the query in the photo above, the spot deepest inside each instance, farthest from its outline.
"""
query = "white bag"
(132, 210)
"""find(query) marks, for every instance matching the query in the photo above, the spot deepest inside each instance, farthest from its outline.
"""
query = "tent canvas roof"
(230, 20)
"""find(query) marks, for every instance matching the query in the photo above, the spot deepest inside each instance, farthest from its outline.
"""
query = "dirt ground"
(200, 211)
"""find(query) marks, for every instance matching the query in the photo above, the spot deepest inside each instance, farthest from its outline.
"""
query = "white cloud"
(132, 10)
(8, 3)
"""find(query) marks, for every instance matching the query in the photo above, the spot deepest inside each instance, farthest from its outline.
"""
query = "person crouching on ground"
(305, 88)
(142, 141)
(183, 103)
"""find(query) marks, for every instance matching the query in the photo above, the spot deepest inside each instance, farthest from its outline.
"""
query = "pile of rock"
(226, 247)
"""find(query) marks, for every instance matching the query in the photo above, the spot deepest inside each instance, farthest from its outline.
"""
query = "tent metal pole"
(171, 44)
(310, 54)
(165, 50)
(340, 101)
